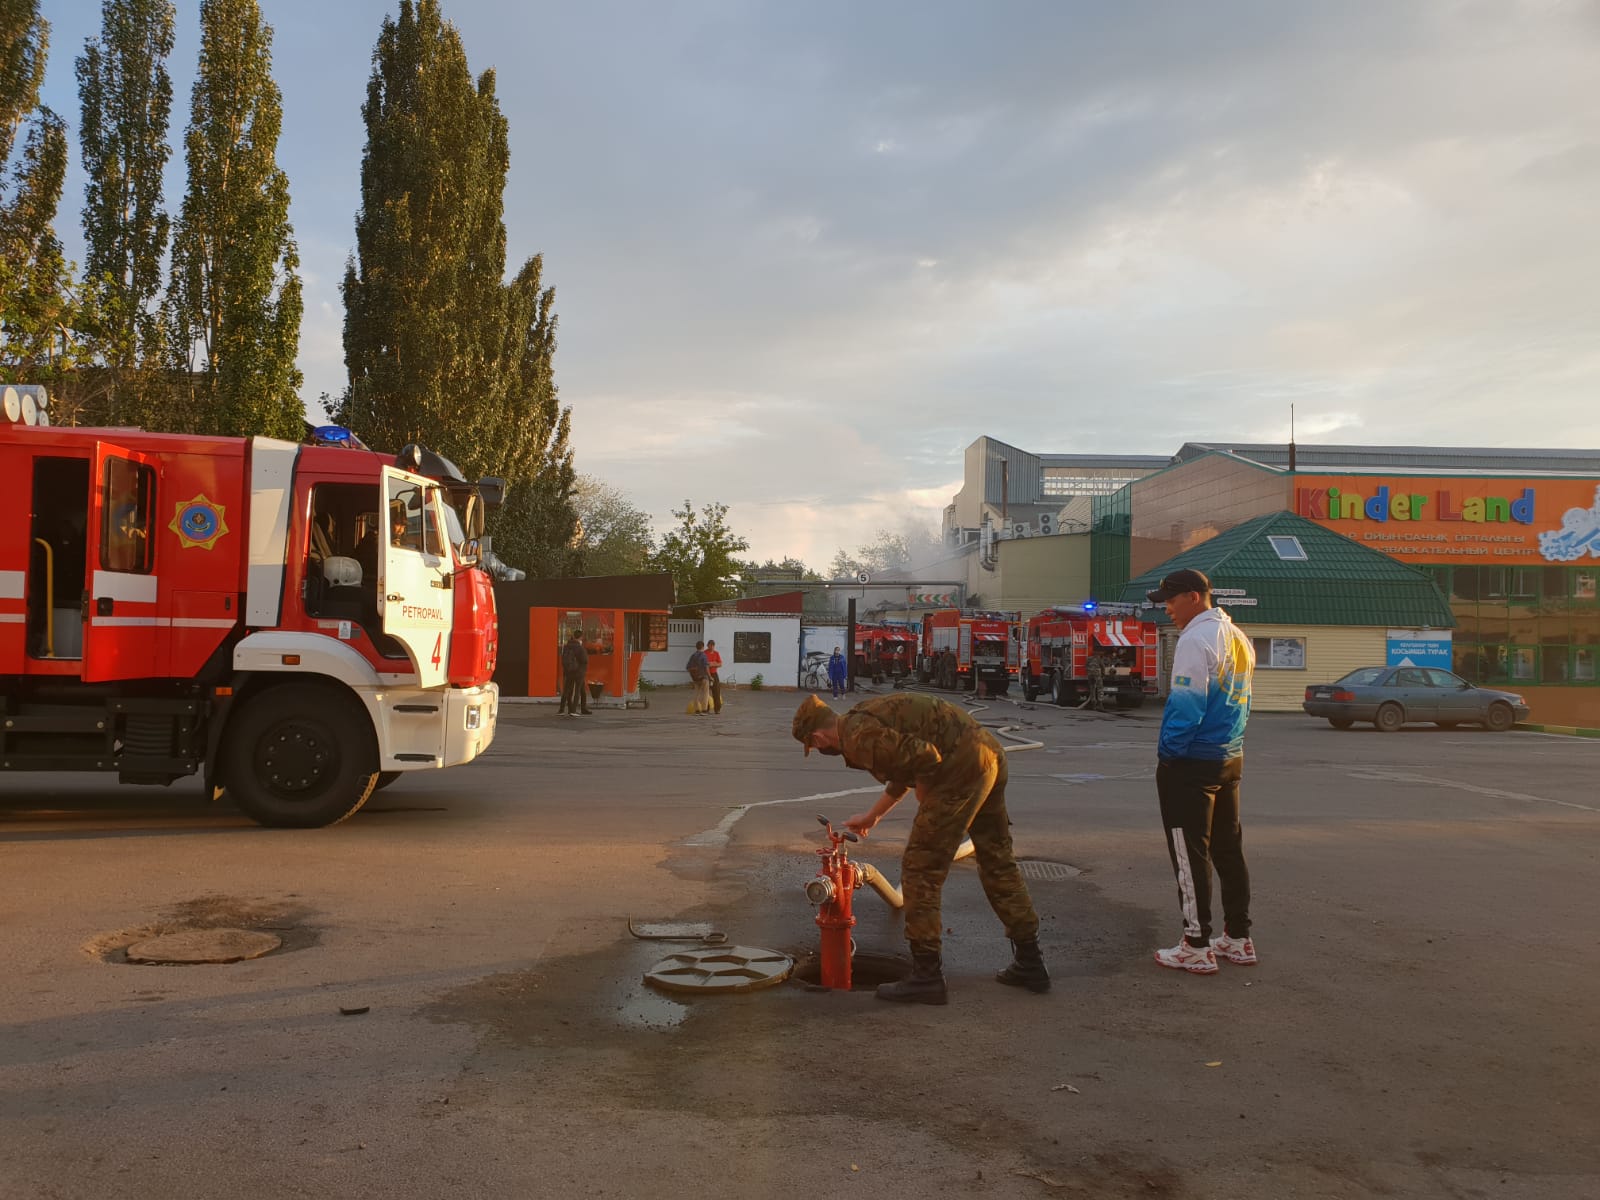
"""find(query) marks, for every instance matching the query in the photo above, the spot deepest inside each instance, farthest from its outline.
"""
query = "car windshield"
(1365, 677)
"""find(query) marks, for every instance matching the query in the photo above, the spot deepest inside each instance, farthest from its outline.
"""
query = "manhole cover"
(203, 946)
(1048, 872)
(720, 969)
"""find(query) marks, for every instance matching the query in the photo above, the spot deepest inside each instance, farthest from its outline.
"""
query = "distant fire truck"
(298, 624)
(961, 650)
(884, 652)
(1061, 640)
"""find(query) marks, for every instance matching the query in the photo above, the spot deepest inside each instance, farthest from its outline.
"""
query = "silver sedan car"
(1390, 697)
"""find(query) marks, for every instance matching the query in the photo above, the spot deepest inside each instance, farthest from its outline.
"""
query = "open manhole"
(191, 947)
(1046, 872)
(720, 969)
(867, 971)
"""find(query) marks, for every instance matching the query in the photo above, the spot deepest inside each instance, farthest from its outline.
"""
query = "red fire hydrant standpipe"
(832, 892)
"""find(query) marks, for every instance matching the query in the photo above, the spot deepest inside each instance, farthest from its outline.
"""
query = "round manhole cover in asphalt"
(720, 969)
(194, 946)
(1049, 872)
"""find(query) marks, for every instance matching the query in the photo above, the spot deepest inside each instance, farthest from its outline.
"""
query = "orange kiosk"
(619, 618)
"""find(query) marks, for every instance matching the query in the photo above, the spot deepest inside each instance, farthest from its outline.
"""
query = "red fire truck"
(961, 650)
(884, 652)
(298, 624)
(1061, 640)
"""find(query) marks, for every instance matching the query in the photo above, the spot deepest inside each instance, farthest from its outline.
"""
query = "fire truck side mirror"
(493, 490)
(469, 552)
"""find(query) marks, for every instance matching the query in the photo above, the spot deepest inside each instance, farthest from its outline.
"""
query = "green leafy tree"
(614, 536)
(37, 305)
(700, 553)
(234, 302)
(439, 348)
(125, 95)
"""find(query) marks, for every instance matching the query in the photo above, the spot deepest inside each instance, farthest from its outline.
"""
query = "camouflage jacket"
(907, 737)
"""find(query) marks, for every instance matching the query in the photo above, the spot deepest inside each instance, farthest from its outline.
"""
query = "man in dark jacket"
(574, 673)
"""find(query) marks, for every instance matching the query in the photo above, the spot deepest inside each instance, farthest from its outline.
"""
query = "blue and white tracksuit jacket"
(1209, 702)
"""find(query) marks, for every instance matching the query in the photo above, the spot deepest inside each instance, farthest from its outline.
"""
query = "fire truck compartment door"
(414, 593)
(122, 629)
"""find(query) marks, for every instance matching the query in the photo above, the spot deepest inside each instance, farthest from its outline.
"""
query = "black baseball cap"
(1178, 583)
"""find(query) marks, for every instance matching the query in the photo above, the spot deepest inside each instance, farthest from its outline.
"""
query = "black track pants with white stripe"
(1200, 812)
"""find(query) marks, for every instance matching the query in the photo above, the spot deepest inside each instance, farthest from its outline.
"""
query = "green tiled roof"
(1339, 582)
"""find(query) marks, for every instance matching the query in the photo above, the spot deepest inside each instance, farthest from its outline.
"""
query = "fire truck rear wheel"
(1029, 692)
(1063, 691)
(300, 756)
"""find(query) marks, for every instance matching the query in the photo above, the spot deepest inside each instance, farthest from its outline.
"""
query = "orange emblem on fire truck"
(198, 522)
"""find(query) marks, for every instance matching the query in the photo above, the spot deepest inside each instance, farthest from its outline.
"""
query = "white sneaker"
(1235, 950)
(1184, 957)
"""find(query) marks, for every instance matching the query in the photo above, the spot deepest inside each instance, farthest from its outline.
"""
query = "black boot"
(925, 985)
(1026, 969)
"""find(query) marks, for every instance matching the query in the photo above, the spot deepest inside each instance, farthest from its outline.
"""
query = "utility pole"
(850, 645)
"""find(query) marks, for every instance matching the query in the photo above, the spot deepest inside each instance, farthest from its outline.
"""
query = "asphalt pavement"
(457, 1007)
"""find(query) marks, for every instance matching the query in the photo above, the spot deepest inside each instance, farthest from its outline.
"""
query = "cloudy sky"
(805, 254)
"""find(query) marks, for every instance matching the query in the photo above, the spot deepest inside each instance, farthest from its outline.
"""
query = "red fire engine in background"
(296, 623)
(1061, 640)
(884, 652)
(961, 650)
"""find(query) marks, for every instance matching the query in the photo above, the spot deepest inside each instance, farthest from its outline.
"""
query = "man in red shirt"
(714, 661)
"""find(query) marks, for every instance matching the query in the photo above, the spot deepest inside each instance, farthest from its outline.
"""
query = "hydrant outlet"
(819, 890)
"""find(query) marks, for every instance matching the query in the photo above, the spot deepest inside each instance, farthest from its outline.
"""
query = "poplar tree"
(125, 95)
(234, 303)
(440, 348)
(36, 301)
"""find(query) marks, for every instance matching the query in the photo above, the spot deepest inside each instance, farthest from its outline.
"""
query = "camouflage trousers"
(968, 798)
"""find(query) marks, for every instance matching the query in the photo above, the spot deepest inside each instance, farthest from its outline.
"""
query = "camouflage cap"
(811, 716)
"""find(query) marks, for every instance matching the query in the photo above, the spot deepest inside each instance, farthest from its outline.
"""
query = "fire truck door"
(120, 611)
(414, 594)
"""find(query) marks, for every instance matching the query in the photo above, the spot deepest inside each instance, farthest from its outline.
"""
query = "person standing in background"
(713, 670)
(574, 673)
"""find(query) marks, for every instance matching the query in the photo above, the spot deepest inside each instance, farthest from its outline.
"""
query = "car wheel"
(1499, 718)
(1340, 722)
(1390, 717)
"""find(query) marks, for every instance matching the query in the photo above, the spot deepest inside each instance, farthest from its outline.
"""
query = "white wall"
(665, 668)
(778, 669)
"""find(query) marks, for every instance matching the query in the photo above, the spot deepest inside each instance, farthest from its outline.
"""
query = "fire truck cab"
(298, 624)
(969, 651)
(1062, 640)
(884, 652)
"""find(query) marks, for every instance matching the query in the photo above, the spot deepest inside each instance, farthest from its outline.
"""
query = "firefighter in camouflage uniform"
(910, 740)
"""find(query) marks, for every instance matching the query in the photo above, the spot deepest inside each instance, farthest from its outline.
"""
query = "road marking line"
(1496, 793)
(719, 835)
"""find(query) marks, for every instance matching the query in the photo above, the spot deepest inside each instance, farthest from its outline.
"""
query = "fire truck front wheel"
(300, 756)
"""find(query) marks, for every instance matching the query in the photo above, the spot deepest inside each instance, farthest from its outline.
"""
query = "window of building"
(1280, 654)
(1288, 548)
(750, 647)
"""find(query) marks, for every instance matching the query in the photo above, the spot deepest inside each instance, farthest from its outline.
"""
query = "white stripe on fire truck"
(271, 488)
(12, 585)
(12, 618)
(120, 585)
(163, 622)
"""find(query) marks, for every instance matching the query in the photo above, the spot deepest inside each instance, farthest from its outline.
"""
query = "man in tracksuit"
(1201, 753)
